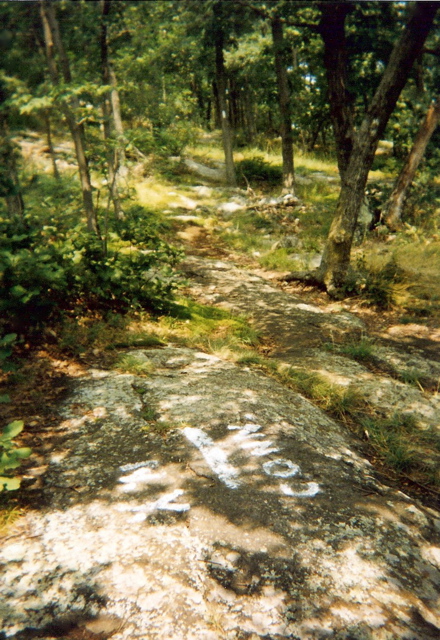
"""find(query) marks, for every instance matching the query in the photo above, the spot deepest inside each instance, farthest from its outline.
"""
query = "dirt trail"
(251, 516)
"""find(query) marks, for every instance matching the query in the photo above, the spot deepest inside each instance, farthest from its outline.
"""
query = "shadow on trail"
(285, 511)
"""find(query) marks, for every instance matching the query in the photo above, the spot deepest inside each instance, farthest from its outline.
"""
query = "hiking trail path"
(256, 516)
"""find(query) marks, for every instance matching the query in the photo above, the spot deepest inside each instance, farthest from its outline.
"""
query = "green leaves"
(11, 456)
(6, 344)
(47, 269)
(12, 430)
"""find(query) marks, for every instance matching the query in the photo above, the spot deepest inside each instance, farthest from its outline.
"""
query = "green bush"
(377, 285)
(45, 270)
(167, 141)
(172, 140)
(11, 456)
(256, 169)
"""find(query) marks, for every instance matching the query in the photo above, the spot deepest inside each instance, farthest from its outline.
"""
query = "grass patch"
(205, 327)
(361, 350)
(158, 427)
(188, 324)
(281, 260)
(405, 275)
(135, 364)
(9, 514)
(340, 401)
(401, 444)
(413, 376)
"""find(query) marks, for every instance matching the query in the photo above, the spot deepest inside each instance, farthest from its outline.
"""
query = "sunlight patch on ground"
(314, 164)
(155, 194)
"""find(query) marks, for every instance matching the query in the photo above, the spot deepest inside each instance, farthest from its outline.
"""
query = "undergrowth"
(49, 264)
(397, 441)
(400, 443)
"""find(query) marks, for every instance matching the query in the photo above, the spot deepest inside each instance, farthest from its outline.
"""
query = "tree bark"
(220, 78)
(111, 111)
(53, 42)
(332, 30)
(336, 257)
(392, 213)
(9, 183)
(52, 154)
(284, 103)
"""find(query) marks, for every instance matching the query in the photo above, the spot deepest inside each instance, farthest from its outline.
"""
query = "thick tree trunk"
(53, 42)
(220, 79)
(332, 30)
(392, 214)
(336, 258)
(284, 103)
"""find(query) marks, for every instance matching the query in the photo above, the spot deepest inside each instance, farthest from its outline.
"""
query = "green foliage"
(377, 285)
(136, 364)
(11, 456)
(257, 170)
(361, 350)
(172, 140)
(281, 260)
(400, 442)
(9, 155)
(6, 345)
(338, 400)
(46, 268)
(413, 376)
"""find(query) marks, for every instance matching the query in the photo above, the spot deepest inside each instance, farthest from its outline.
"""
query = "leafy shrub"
(6, 344)
(142, 138)
(172, 141)
(377, 285)
(256, 169)
(166, 141)
(46, 269)
(11, 456)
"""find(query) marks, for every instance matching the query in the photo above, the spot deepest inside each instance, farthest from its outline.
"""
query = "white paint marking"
(214, 456)
(165, 503)
(247, 428)
(151, 464)
(245, 436)
(275, 468)
(313, 489)
(263, 449)
(140, 476)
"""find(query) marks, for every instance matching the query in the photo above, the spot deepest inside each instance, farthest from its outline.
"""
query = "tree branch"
(433, 52)
(268, 15)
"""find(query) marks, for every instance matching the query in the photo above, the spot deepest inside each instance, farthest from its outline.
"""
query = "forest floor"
(208, 498)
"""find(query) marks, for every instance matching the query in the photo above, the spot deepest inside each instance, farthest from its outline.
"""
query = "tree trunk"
(392, 214)
(284, 103)
(53, 42)
(336, 258)
(217, 110)
(50, 146)
(9, 183)
(332, 30)
(111, 110)
(220, 78)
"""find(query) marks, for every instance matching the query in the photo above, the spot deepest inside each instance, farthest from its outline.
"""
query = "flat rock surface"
(207, 501)
(301, 334)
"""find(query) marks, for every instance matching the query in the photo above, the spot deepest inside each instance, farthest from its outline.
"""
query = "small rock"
(230, 207)
(104, 625)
